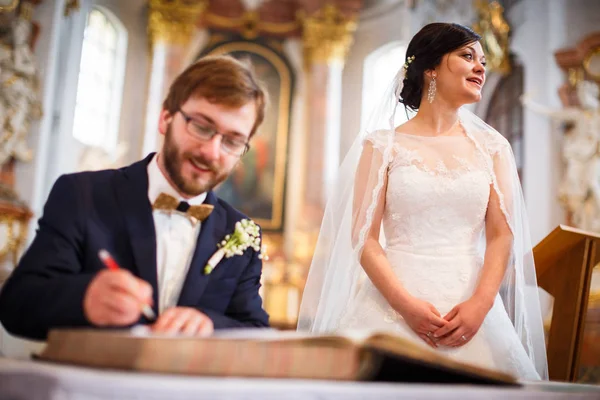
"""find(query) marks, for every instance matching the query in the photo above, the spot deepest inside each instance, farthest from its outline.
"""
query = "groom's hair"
(221, 80)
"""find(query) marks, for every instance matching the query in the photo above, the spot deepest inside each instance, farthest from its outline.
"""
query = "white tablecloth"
(37, 380)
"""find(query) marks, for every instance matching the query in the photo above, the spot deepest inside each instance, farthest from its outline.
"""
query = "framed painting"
(257, 185)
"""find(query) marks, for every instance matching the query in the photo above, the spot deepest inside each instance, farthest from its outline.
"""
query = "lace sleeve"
(502, 176)
(378, 139)
(369, 188)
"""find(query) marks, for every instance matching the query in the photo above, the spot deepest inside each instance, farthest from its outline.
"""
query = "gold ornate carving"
(173, 21)
(591, 63)
(14, 216)
(26, 11)
(250, 24)
(575, 75)
(494, 31)
(14, 241)
(10, 7)
(71, 6)
(327, 35)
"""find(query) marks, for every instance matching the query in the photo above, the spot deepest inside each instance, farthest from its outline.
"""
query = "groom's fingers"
(164, 320)
(185, 320)
(206, 327)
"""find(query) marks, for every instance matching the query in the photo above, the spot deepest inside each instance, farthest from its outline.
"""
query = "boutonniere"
(246, 234)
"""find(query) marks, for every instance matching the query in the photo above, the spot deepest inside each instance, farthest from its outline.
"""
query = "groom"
(159, 220)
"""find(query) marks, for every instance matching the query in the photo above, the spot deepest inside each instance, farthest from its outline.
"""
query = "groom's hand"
(184, 320)
(115, 298)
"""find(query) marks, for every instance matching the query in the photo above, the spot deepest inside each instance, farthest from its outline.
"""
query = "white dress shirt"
(176, 237)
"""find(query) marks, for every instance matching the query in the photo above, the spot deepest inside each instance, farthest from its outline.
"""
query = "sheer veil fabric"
(335, 275)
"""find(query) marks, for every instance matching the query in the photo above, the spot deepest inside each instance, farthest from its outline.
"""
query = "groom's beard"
(174, 159)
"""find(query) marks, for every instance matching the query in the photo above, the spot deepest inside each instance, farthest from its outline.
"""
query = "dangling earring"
(431, 91)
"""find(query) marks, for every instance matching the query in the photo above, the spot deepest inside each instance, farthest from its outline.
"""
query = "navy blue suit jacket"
(89, 211)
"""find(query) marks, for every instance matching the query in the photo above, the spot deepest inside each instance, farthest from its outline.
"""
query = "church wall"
(370, 35)
(57, 56)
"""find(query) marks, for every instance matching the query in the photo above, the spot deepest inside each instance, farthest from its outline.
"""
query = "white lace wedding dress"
(437, 196)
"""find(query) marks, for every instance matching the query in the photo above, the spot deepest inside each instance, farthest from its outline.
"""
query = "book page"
(257, 334)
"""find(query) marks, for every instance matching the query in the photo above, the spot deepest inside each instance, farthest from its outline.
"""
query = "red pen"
(111, 264)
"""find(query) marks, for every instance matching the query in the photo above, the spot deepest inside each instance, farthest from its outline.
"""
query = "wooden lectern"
(564, 261)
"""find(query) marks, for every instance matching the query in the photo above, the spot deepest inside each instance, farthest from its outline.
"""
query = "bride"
(426, 234)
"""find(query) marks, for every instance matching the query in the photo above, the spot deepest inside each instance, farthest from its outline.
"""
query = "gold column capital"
(173, 21)
(327, 35)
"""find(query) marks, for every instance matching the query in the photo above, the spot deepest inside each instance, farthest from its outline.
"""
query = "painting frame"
(281, 114)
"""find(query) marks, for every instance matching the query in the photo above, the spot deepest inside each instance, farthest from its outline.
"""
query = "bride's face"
(461, 75)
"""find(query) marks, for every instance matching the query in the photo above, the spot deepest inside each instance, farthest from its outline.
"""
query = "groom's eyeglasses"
(204, 131)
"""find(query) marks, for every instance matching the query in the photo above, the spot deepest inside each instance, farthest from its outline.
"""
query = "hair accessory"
(408, 61)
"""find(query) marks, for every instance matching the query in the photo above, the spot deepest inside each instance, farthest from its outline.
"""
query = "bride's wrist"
(400, 301)
(484, 299)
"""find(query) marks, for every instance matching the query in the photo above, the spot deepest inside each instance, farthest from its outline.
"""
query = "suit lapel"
(212, 232)
(132, 194)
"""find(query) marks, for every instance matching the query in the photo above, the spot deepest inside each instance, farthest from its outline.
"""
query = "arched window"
(380, 67)
(505, 112)
(100, 82)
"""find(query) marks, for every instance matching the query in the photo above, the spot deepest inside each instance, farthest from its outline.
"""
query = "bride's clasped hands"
(423, 318)
(463, 322)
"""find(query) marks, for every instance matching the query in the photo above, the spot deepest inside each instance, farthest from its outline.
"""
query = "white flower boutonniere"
(246, 234)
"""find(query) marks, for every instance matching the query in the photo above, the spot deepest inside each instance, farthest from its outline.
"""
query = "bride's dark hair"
(428, 47)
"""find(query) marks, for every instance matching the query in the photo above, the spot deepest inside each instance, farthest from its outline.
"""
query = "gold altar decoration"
(494, 31)
(327, 35)
(15, 223)
(14, 217)
(173, 21)
(250, 25)
(283, 283)
(580, 62)
(591, 63)
(9, 7)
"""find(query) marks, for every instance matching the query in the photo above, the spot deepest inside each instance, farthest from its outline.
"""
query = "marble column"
(327, 37)
(171, 28)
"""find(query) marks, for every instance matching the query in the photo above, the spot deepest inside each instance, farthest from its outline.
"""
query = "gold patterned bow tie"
(169, 203)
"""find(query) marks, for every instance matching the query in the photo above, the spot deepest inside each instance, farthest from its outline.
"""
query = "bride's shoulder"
(496, 143)
(492, 140)
(379, 139)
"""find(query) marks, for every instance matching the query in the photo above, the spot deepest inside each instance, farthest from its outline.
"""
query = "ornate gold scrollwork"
(9, 7)
(250, 24)
(591, 63)
(14, 241)
(327, 35)
(173, 21)
(494, 31)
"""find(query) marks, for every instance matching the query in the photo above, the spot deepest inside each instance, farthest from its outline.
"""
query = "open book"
(268, 354)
